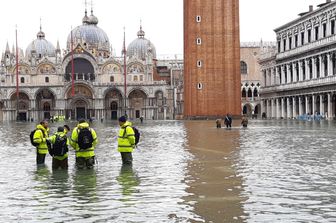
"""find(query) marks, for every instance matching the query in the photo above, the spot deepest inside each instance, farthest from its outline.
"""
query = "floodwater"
(273, 171)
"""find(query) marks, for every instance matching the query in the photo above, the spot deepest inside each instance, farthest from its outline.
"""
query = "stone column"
(164, 113)
(329, 106)
(288, 73)
(252, 98)
(272, 108)
(282, 108)
(288, 108)
(272, 76)
(307, 69)
(294, 72)
(283, 67)
(300, 64)
(305, 36)
(265, 77)
(321, 66)
(262, 106)
(321, 105)
(300, 106)
(294, 107)
(329, 65)
(277, 101)
(320, 30)
(307, 108)
(267, 109)
(315, 60)
(328, 27)
(313, 105)
(278, 73)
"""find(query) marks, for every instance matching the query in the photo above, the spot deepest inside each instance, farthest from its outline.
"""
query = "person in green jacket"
(126, 140)
(59, 149)
(83, 140)
(40, 138)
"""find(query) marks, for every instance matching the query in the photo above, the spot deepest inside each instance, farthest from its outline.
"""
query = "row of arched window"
(249, 93)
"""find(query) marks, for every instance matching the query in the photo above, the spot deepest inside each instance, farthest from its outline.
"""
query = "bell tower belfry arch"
(211, 58)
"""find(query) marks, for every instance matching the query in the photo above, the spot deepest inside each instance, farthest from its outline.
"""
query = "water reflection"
(214, 185)
(128, 180)
(85, 185)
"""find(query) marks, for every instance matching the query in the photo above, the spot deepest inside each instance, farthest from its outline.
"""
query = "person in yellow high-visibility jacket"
(59, 149)
(40, 137)
(126, 140)
(83, 140)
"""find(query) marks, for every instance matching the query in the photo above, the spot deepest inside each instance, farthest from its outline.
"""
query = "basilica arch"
(22, 104)
(81, 105)
(137, 103)
(113, 104)
(83, 70)
(45, 103)
(160, 102)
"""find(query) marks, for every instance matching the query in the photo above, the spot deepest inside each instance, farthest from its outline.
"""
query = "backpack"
(32, 137)
(85, 138)
(60, 147)
(136, 134)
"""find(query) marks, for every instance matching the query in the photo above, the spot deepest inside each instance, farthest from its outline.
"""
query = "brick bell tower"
(211, 58)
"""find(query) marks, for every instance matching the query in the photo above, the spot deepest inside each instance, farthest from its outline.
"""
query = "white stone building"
(300, 76)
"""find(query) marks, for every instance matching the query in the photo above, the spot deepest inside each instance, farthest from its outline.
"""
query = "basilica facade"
(300, 75)
(47, 86)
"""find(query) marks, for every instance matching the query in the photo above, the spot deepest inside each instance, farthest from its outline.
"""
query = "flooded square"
(183, 171)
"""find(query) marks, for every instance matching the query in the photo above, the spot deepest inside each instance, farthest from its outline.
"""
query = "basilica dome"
(41, 47)
(141, 46)
(90, 36)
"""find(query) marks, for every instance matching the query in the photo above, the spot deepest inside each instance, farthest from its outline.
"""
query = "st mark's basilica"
(45, 78)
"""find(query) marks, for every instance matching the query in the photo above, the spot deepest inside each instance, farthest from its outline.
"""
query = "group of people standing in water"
(83, 139)
(228, 121)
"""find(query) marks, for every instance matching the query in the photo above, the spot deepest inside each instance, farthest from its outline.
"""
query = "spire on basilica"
(141, 33)
(40, 34)
(58, 48)
(7, 48)
(85, 19)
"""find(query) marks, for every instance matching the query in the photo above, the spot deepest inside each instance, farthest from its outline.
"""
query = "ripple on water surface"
(150, 191)
(288, 171)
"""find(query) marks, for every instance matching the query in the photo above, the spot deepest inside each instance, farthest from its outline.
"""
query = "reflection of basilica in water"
(45, 79)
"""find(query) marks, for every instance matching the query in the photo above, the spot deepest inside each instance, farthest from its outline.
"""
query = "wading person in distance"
(244, 121)
(126, 141)
(38, 138)
(59, 149)
(228, 121)
(218, 124)
(83, 140)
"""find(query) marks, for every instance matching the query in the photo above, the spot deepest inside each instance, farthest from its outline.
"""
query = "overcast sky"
(162, 20)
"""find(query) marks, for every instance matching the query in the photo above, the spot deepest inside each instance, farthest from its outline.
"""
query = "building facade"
(211, 58)
(46, 79)
(300, 76)
(251, 78)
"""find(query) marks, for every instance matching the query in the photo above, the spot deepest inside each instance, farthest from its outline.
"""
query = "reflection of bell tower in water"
(211, 58)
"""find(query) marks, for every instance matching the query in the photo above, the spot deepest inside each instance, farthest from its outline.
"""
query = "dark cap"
(122, 119)
(60, 129)
(67, 127)
(80, 121)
